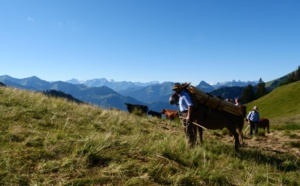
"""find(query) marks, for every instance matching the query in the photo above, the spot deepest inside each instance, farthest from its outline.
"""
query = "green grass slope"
(282, 102)
(50, 141)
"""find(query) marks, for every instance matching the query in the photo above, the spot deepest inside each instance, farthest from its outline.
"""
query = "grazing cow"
(264, 123)
(170, 114)
(140, 108)
(209, 118)
(154, 114)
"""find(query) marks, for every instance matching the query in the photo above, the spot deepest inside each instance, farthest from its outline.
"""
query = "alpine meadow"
(52, 141)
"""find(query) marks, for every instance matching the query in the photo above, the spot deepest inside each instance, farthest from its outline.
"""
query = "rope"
(185, 126)
(246, 129)
(191, 122)
(195, 123)
(199, 125)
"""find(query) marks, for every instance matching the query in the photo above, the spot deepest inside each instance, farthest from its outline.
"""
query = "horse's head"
(174, 98)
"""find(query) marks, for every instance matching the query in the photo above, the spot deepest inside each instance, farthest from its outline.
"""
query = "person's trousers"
(188, 129)
(253, 126)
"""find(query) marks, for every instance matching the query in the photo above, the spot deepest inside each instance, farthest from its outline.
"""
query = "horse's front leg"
(240, 136)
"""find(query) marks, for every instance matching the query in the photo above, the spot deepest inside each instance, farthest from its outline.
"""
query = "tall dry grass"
(50, 141)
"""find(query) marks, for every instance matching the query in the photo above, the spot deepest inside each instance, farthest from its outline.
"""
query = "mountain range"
(125, 86)
(112, 94)
(102, 96)
(115, 85)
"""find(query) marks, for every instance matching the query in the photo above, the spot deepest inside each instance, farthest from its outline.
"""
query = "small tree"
(298, 74)
(291, 78)
(248, 94)
(261, 89)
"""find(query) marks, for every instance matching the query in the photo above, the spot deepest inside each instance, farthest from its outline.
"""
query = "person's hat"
(238, 99)
(255, 108)
(176, 86)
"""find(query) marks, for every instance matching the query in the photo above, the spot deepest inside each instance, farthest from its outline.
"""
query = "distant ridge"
(125, 85)
(233, 83)
(205, 86)
(115, 85)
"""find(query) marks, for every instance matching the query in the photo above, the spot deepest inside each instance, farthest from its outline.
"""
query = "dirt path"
(276, 141)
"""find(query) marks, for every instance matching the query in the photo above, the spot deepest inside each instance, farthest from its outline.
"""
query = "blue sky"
(150, 40)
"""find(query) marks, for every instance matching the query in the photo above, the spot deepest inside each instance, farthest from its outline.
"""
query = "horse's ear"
(185, 85)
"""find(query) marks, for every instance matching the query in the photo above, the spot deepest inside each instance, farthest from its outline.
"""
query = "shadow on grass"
(283, 162)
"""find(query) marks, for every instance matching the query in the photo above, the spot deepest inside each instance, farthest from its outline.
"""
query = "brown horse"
(170, 114)
(210, 118)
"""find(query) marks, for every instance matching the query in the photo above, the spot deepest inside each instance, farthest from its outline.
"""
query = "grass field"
(50, 141)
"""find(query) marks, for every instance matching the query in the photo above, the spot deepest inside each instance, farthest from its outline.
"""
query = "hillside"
(283, 101)
(51, 141)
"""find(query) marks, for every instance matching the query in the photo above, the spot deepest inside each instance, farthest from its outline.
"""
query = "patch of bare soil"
(277, 142)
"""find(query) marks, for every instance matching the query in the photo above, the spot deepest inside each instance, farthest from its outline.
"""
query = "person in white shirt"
(186, 108)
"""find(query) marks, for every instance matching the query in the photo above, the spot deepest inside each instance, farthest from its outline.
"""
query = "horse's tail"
(244, 111)
(240, 125)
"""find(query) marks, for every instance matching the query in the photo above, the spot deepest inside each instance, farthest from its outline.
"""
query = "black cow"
(140, 108)
(154, 114)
